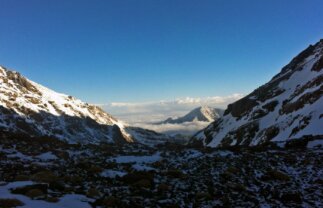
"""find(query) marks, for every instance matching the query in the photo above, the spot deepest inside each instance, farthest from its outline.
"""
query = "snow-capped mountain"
(289, 106)
(29, 108)
(203, 113)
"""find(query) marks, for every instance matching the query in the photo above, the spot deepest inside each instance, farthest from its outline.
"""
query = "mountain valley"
(264, 150)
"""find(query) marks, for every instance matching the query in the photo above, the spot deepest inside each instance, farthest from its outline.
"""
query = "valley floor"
(49, 173)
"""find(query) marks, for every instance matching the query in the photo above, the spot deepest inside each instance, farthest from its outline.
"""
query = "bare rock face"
(289, 106)
(31, 109)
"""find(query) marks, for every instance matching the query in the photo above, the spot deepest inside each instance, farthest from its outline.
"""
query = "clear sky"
(141, 50)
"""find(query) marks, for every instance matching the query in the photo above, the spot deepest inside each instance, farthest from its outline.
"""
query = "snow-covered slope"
(203, 113)
(29, 108)
(290, 106)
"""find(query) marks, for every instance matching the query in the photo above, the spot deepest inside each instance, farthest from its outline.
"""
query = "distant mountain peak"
(203, 113)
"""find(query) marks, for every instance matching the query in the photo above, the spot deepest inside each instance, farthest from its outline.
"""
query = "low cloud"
(145, 113)
(187, 128)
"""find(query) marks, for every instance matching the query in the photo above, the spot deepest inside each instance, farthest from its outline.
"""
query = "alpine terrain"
(58, 152)
(29, 108)
(287, 109)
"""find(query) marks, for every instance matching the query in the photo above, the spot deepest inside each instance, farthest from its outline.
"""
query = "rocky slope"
(203, 113)
(29, 108)
(289, 106)
(55, 174)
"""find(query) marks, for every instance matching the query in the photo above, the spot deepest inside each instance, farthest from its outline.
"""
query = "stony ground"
(47, 173)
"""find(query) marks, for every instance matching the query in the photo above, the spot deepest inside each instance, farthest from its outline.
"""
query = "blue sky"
(138, 51)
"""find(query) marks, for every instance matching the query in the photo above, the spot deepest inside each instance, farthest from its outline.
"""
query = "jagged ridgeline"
(287, 109)
(29, 108)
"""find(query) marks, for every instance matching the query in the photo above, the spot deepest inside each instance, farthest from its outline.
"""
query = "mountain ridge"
(287, 107)
(30, 108)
